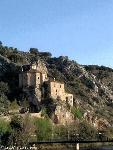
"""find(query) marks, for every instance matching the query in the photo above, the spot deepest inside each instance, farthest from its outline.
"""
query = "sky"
(79, 29)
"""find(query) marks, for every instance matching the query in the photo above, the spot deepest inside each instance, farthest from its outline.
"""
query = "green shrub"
(60, 132)
(43, 129)
(4, 104)
(4, 89)
(4, 126)
(44, 112)
(5, 131)
(16, 122)
(14, 105)
(77, 112)
(87, 132)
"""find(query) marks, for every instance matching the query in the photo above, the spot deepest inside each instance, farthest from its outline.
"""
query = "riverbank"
(93, 146)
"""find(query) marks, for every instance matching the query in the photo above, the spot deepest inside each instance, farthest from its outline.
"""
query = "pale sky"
(80, 29)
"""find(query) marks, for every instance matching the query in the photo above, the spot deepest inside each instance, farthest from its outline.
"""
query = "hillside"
(91, 85)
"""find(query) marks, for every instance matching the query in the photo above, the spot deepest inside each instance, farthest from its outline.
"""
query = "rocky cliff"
(91, 85)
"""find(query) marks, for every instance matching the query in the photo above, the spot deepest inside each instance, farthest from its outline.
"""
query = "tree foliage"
(77, 112)
(0, 43)
(43, 129)
(4, 88)
(14, 105)
(34, 51)
(4, 104)
(87, 132)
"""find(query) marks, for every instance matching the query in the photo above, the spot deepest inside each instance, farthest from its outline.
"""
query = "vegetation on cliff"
(91, 86)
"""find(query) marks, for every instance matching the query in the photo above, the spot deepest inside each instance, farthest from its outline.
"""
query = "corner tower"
(32, 77)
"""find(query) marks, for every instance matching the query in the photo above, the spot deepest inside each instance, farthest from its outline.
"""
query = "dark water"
(74, 148)
(58, 147)
(101, 148)
(63, 147)
(107, 148)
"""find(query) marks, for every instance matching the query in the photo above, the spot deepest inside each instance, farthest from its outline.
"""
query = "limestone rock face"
(39, 66)
(64, 116)
(97, 122)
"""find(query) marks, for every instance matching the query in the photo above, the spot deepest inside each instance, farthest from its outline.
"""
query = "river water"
(107, 148)
(64, 147)
(101, 148)
(74, 148)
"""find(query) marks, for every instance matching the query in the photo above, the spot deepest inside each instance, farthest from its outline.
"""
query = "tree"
(3, 51)
(43, 129)
(4, 89)
(14, 105)
(0, 43)
(25, 103)
(16, 127)
(50, 105)
(5, 131)
(15, 50)
(60, 132)
(4, 104)
(16, 122)
(34, 51)
(86, 131)
(28, 133)
(77, 112)
(22, 129)
(45, 54)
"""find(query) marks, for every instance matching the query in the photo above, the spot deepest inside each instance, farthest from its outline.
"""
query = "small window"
(60, 86)
(38, 77)
(56, 92)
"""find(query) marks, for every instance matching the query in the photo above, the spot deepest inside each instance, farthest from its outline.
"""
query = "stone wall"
(23, 79)
(57, 90)
(39, 66)
(69, 98)
(38, 93)
(38, 79)
(20, 80)
(63, 115)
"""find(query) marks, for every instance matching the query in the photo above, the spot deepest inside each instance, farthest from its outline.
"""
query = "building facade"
(34, 75)
(57, 90)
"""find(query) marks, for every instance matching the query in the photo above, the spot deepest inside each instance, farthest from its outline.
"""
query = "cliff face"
(91, 85)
